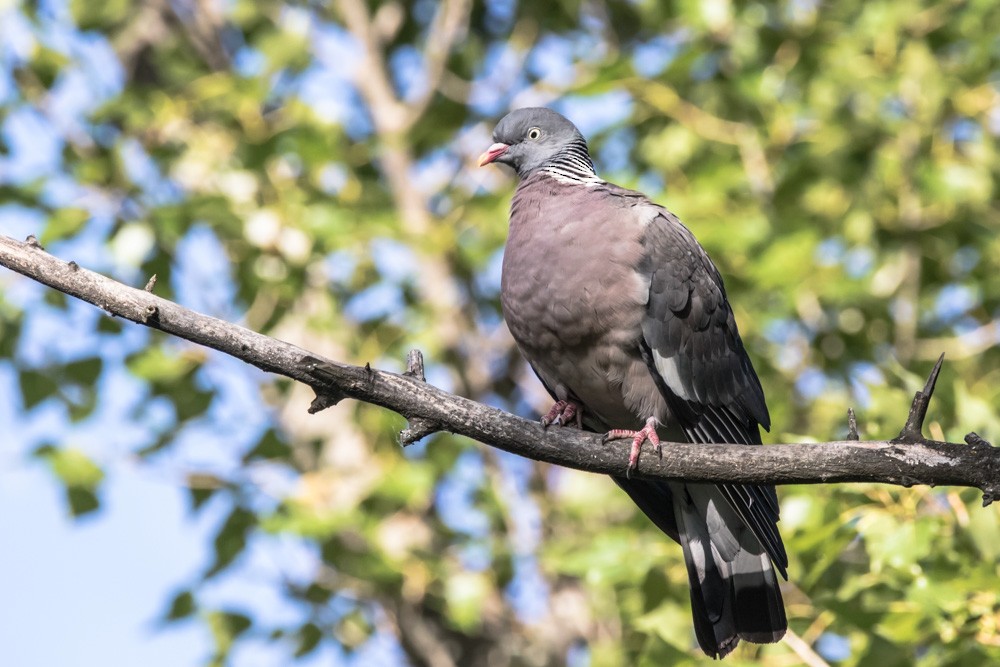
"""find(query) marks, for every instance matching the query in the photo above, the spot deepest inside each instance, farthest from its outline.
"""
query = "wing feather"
(693, 348)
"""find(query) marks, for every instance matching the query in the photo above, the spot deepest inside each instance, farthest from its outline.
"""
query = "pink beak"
(492, 153)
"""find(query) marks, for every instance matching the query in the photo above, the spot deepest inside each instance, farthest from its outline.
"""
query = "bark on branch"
(906, 460)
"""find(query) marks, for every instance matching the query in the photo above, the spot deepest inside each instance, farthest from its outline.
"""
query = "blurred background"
(307, 170)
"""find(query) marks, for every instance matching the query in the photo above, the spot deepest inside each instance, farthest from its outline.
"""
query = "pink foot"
(562, 413)
(647, 432)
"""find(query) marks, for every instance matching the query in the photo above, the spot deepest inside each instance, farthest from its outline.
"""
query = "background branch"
(913, 461)
(393, 119)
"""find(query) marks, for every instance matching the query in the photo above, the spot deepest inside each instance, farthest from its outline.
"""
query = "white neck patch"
(571, 177)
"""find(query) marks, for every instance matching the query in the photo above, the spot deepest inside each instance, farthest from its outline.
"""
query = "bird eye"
(534, 133)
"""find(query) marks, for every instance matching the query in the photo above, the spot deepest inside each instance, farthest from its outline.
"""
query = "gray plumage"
(618, 309)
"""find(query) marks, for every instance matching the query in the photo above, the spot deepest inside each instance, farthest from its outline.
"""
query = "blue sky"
(90, 592)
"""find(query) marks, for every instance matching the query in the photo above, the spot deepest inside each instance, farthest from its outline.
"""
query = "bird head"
(529, 138)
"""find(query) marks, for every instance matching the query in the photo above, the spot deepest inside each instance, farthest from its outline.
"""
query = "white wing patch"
(667, 368)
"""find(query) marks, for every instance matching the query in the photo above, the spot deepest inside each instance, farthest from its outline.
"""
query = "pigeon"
(624, 318)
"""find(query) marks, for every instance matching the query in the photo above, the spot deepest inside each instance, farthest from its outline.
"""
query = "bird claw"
(562, 413)
(647, 432)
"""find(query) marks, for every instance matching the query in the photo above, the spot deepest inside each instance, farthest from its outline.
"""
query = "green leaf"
(156, 363)
(85, 372)
(668, 622)
(91, 16)
(318, 594)
(236, 623)
(80, 476)
(226, 628)
(10, 332)
(81, 500)
(309, 638)
(655, 589)
(36, 387)
(353, 630)
(199, 496)
(56, 299)
(231, 539)
(182, 606)
(110, 325)
(270, 446)
(984, 530)
(72, 466)
(64, 223)
(192, 402)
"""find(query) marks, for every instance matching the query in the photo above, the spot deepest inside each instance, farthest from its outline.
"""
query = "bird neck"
(572, 165)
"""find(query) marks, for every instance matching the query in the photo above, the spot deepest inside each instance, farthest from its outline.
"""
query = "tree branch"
(904, 461)
(393, 119)
(449, 26)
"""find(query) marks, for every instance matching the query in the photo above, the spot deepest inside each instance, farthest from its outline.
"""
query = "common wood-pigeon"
(624, 318)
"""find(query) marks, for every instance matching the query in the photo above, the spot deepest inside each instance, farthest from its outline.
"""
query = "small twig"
(852, 425)
(324, 400)
(151, 283)
(913, 429)
(803, 650)
(415, 365)
(419, 427)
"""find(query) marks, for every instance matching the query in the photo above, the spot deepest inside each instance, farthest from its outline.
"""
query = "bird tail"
(734, 590)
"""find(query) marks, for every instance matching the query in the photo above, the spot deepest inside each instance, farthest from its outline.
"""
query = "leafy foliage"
(308, 170)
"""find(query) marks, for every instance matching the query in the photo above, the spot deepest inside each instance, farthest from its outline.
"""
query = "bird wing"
(692, 348)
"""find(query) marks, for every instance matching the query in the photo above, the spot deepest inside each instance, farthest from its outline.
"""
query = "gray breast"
(573, 298)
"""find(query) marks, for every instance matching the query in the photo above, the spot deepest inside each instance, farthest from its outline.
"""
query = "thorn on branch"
(33, 242)
(329, 394)
(151, 283)
(912, 431)
(852, 425)
(418, 426)
(73, 266)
